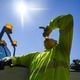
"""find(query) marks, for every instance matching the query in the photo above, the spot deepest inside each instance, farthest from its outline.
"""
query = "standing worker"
(53, 63)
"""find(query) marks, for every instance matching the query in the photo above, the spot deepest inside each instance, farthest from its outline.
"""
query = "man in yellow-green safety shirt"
(53, 62)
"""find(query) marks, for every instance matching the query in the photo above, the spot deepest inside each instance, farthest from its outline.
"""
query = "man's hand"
(46, 32)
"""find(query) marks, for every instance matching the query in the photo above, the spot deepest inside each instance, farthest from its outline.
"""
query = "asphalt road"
(20, 73)
(75, 76)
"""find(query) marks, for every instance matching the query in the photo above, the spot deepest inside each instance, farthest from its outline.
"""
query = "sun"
(21, 9)
(24, 9)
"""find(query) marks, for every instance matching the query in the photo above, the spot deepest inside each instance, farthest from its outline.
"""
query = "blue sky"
(29, 36)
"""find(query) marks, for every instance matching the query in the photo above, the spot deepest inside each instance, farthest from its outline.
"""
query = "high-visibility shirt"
(51, 64)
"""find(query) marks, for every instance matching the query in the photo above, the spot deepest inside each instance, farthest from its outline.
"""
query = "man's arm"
(65, 25)
(24, 60)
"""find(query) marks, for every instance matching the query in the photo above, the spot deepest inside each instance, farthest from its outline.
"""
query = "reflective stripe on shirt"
(53, 64)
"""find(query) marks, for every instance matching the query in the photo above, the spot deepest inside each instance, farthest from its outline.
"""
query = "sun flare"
(24, 10)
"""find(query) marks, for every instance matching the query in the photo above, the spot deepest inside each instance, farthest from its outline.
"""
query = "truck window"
(4, 52)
